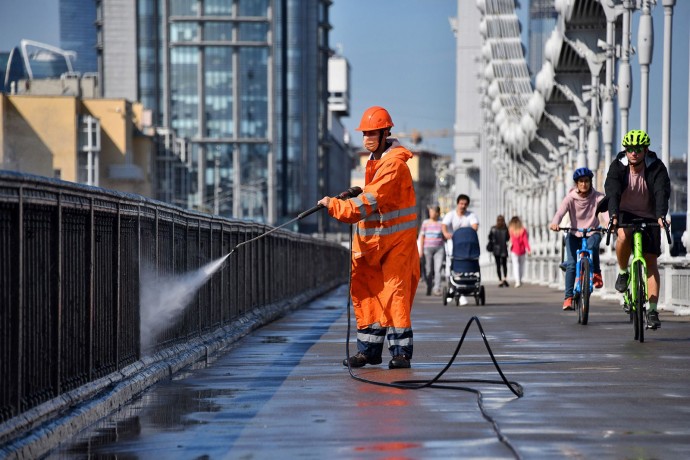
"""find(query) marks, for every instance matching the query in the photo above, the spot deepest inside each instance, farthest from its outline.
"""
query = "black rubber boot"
(399, 362)
(360, 359)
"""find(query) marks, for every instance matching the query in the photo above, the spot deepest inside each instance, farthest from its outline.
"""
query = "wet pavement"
(589, 391)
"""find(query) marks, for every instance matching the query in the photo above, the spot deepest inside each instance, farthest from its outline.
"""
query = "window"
(89, 150)
(184, 32)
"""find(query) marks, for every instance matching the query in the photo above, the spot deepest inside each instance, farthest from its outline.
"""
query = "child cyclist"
(581, 206)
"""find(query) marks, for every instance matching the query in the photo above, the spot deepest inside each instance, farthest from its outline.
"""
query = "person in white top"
(454, 220)
(461, 217)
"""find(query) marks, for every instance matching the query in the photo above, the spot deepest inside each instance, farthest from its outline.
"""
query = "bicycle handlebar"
(584, 231)
(636, 225)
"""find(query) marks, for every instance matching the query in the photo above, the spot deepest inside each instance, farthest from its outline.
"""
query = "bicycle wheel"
(640, 301)
(583, 311)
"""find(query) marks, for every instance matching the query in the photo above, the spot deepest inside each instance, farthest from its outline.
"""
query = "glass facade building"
(245, 83)
(77, 21)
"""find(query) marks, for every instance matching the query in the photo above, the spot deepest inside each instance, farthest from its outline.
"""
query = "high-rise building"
(245, 82)
(542, 21)
(77, 22)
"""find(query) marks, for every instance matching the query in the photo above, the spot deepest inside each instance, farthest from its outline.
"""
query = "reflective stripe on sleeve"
(362, 208)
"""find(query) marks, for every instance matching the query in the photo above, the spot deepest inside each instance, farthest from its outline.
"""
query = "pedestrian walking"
(459, 218)
(432, 248)
(519, 248)
(498, 246)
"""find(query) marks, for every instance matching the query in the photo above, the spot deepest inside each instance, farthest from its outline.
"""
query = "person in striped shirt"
(431, 246)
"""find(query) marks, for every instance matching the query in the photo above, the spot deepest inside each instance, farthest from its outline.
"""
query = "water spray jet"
(163, 298)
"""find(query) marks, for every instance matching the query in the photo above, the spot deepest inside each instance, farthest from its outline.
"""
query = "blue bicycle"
(583, 271)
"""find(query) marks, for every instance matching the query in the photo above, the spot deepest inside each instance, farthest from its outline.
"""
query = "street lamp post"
(686, 234)
(607, 118)
(666, 95)
(666, 86)
(624, 71)
(645, 44)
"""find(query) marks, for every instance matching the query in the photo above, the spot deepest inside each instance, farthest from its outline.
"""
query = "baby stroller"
(465, 275)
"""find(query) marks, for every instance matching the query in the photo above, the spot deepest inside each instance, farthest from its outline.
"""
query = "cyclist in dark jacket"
(637, 185)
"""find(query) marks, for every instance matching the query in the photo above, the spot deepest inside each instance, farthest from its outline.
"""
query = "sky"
(36, 20)
(402, 57)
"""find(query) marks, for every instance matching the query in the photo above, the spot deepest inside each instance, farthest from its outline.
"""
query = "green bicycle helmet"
(636, 137)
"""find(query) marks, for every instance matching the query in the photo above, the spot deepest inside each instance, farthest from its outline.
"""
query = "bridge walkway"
(589, 391)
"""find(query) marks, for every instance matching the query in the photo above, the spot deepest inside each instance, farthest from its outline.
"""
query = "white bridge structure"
(517, 158)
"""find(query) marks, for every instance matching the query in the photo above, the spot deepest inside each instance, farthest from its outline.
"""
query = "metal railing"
(674, 295)
(71, 257)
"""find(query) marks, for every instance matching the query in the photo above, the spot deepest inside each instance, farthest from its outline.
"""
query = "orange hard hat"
(375, 118)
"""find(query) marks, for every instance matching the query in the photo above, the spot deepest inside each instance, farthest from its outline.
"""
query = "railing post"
(20, 303)
(118, 283)
(139, 212)
(59, 319)
(91, 267)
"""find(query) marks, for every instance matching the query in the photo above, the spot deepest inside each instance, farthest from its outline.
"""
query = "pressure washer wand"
(349, 193)
(304, 214)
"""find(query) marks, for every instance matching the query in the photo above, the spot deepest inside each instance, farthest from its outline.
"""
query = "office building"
(245, 82)
(77, 23)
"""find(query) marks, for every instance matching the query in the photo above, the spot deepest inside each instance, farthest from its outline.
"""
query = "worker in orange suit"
(385, 259)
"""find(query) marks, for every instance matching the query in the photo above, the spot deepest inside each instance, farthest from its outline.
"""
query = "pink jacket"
(519, 243)
(581, 210)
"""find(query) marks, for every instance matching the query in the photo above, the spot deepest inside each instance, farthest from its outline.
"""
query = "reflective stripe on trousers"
(370, 340)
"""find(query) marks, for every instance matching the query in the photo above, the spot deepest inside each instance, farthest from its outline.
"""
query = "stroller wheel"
(482, 295)
(445, 296)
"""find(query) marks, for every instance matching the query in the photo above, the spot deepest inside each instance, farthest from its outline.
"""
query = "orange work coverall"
(385, 260)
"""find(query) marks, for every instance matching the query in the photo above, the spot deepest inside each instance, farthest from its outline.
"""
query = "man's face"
(462, 206)
(635, 154)
(370, 140)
